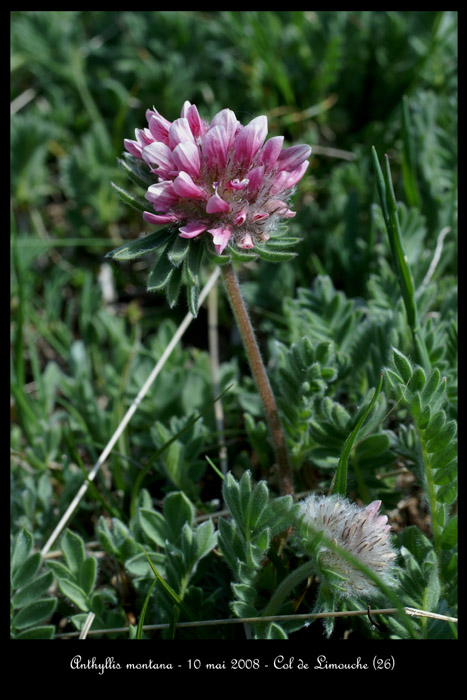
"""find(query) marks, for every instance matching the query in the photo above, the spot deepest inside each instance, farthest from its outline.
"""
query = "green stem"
(286, 587)
(430, 491)
(260, 376)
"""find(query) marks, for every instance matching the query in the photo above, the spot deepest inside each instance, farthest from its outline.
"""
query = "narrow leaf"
(128, 198)
(133, 168)
(142, 246)
(193, 263)
(28, 569)
(173, 287)
(179, 250)
(72, 547)
(192, 293)
(275, 255)
(340, 482)
(160, 273)
(139, 630)
(74, 593)
(34, 613)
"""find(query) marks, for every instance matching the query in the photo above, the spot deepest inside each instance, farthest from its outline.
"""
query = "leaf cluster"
(245, 540)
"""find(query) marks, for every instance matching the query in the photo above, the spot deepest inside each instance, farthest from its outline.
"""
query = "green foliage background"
(327, 321)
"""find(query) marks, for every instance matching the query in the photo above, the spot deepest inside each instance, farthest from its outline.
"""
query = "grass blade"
(339, 484)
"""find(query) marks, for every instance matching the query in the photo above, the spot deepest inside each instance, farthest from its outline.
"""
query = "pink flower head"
(360, 531)
(219, 177)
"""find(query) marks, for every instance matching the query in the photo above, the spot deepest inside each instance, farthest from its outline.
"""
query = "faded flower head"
(360, 531)
(220, 177)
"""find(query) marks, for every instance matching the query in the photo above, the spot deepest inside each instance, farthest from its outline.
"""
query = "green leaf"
(408, 162)
(417, 381)
(141, 246)
(179, 250)
(449, 535)
(340, 482)
(206, 539)
(443, 437)
(244, 592)
(222, 259)
(242, 255)
(417, 543)
(154, 526)
(444, 456)
(173, 596)
(447, 494)
(21, 549)
(278, 515)
(178, 510)
(105, 537)
(257, 503)
(160, 273)
(42, 632)
(60, 571)
(245, 495)
(173, 287)
(402, 364)
(28, 569)
(72, 546)
(389, 207)
(31, 591)
(34, 613)
(231, 494)
(76, 594)
(372, 446)
(138, 567)
(274, 255)
(436, 423)
(280, 243)
(192, 263)
(193, 299)
(432, 589)
(135, 170)
(128, 198)
(139, 629)
(275, 631)
(431, 385)
(87, 574)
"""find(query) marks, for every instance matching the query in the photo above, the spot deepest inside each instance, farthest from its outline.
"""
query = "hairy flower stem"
(260, 376)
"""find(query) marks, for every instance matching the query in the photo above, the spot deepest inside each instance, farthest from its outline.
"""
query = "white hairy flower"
(360, 531)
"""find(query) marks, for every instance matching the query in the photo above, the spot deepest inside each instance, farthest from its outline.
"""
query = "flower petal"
(292, 157)
(159, 128)
(185, 187)
(159, 155)
(285, 179)
(179, 132)
(246, 242)
(255, 178)
(240, 217)
(373, 508)
(159, 218)
(185, 156)
(133, 147)
(217, 205)
(197, 126)
(270, 152)
(229, 121)
(215, 146)
(162, 195)
(193, 228)
(250, 139)
(185, 108)
(221, 237)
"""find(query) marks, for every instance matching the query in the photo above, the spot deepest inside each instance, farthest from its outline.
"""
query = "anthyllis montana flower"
(220, 177)
(360, 531)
